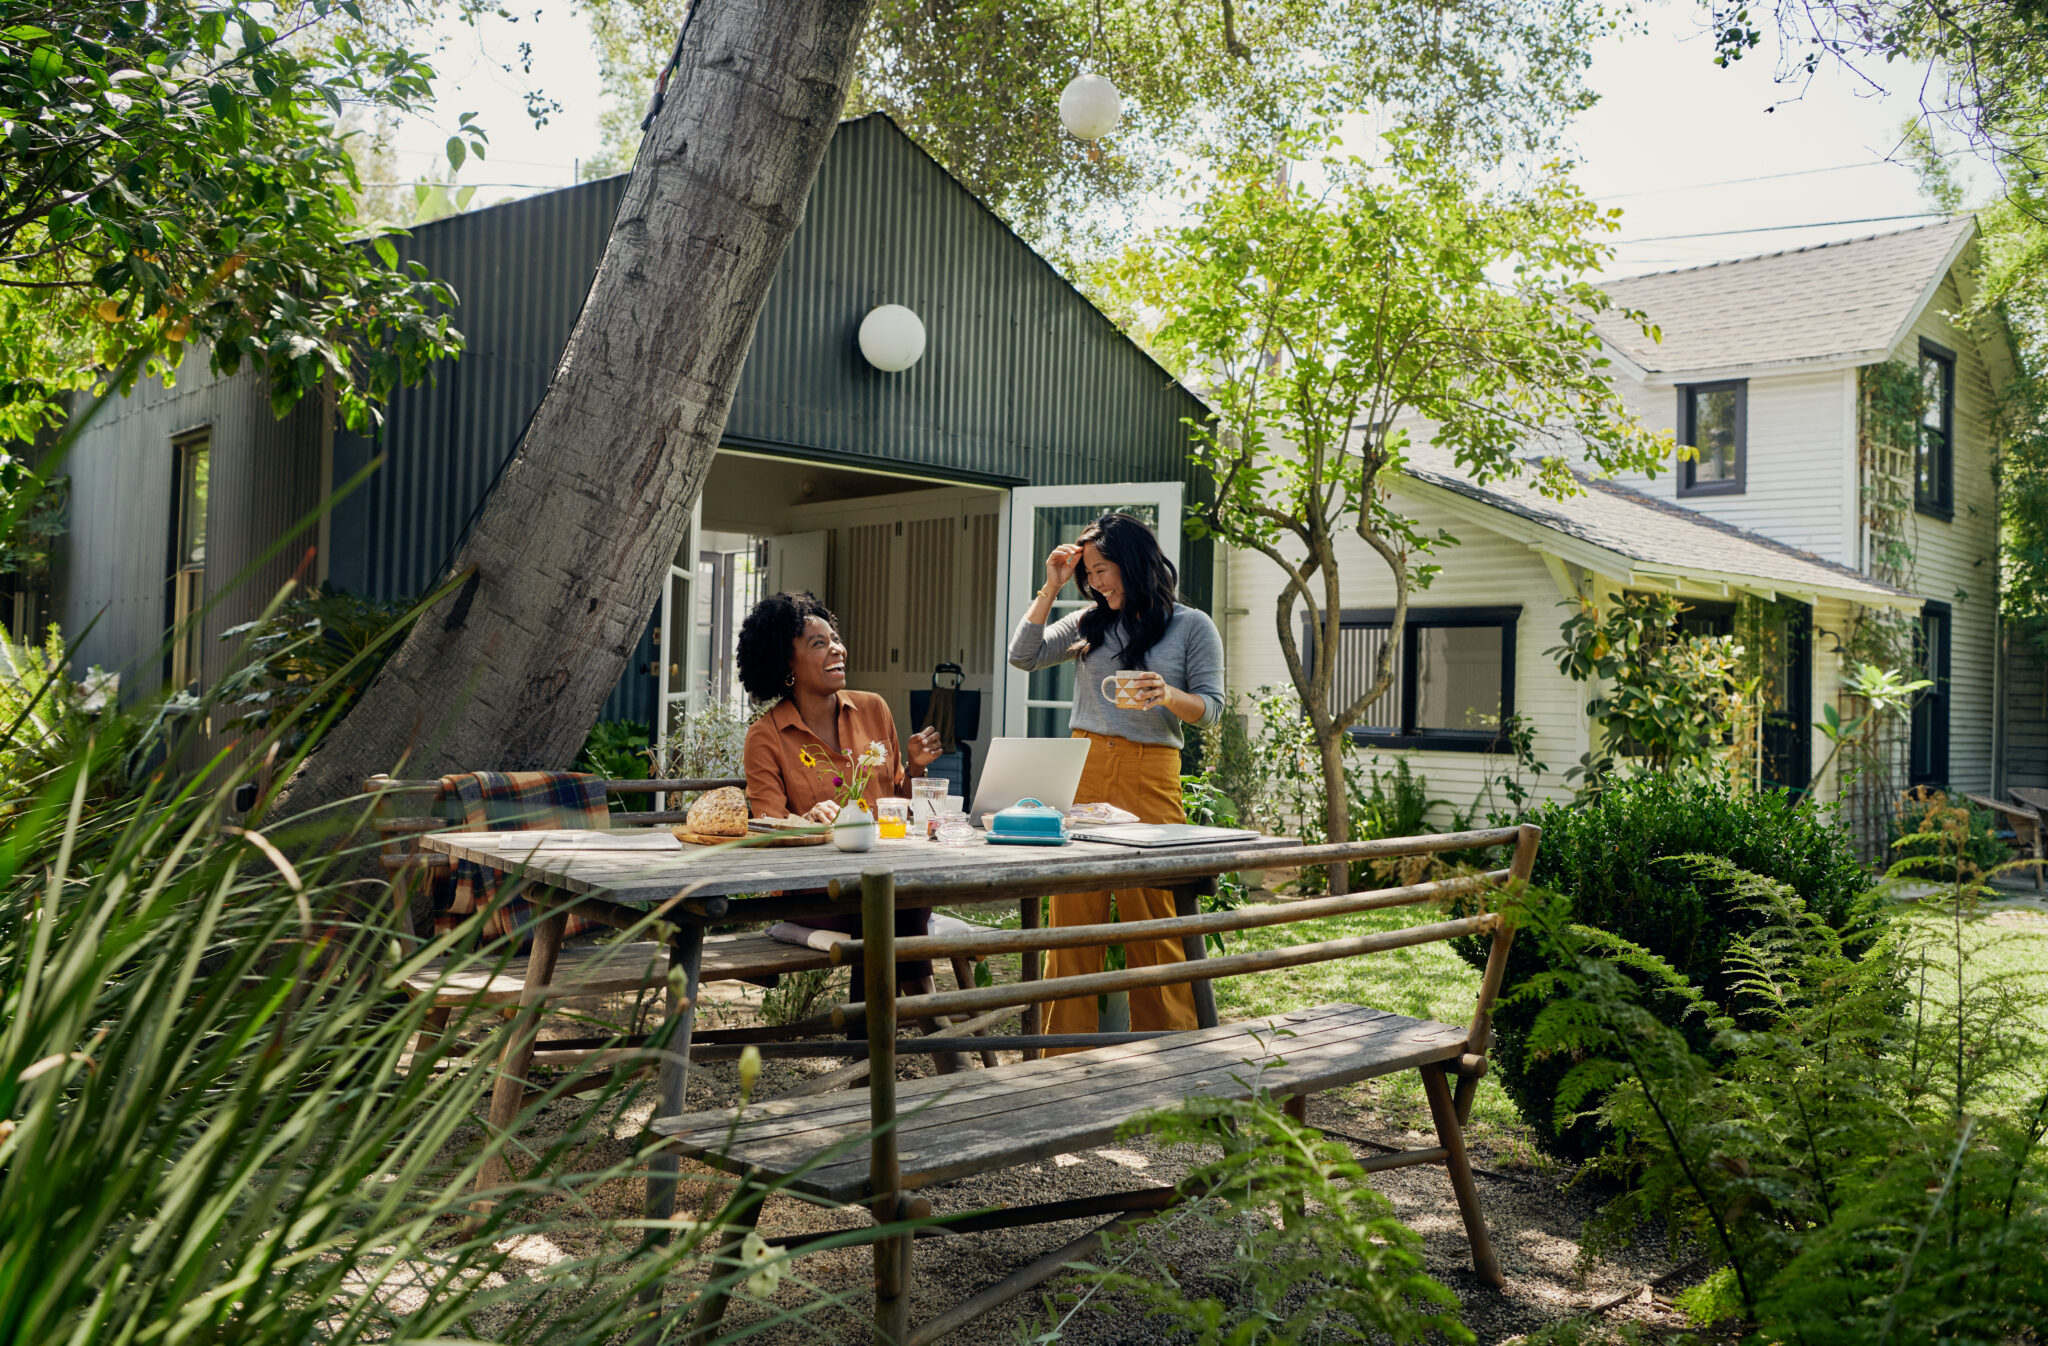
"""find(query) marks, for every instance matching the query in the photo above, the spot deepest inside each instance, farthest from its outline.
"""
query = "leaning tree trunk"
(573, 544)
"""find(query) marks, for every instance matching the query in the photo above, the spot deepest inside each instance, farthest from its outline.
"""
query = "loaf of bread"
(722, 813)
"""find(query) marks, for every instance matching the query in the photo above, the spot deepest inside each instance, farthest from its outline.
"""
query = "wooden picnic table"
(622, 876)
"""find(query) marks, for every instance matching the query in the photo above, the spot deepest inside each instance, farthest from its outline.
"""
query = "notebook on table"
(1150, 835)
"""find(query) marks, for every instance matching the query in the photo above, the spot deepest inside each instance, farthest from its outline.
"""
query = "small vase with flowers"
(854, 829)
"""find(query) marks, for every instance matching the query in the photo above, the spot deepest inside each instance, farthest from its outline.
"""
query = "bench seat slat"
(1007, 1086)
(1092, 1094)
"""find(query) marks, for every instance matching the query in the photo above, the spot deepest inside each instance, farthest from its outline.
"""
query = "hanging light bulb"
(1090, 106)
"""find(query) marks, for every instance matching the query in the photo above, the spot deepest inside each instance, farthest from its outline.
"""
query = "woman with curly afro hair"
(791, 655)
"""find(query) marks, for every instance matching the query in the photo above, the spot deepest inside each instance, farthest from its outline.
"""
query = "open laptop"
(1045, 769)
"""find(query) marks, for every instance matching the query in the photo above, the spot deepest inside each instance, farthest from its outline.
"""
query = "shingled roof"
(1849, 300)
(1630, 535)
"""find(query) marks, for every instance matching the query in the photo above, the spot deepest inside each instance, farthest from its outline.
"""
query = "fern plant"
(1866, 1167)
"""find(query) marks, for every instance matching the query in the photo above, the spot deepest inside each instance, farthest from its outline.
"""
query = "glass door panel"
(1042, 518)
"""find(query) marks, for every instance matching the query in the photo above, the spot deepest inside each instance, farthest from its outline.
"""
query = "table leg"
(508, 1093)
(1029, 910)
(685, 951)
(1187, 901)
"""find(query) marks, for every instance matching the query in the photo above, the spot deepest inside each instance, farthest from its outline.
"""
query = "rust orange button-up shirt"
(779, 784)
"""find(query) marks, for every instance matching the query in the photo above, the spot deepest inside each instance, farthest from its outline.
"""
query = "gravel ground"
(1533, 1213)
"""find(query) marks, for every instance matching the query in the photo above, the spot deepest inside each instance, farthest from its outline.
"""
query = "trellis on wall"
(1873, 769)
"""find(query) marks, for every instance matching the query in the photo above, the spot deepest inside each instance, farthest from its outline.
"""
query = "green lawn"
(1428, 981)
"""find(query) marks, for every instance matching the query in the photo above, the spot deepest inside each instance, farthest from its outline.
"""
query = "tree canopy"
(976, 82)
(176, 175)
(1322, 320)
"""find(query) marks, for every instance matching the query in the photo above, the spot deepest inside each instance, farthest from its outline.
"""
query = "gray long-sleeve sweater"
(1189, 656)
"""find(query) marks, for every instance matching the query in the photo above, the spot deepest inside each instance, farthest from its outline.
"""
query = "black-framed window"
(1454, 676)
(1714, 419)
(185, 585)
(1934, 453)
(1927, 758)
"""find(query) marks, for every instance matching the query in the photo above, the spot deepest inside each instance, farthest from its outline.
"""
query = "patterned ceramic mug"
(1125, 695)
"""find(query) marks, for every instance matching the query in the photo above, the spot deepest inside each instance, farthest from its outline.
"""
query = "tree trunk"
(1336, 806)
(573, 544)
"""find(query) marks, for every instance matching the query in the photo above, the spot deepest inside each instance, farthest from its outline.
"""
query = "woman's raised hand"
(1061, 564)
(923, 749)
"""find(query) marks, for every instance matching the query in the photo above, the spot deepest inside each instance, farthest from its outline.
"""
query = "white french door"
(680, 672)
(1036, 705)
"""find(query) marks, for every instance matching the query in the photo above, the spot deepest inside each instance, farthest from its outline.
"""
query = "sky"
(1691, 152)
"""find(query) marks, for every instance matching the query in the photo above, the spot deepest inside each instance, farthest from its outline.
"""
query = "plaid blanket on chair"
(513, 801)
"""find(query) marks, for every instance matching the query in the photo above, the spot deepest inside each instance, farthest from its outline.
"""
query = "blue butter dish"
(1028, 822)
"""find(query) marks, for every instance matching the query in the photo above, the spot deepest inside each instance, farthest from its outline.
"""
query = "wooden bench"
(938, 1130)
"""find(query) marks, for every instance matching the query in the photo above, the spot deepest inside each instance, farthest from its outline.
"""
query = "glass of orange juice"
(894, 817)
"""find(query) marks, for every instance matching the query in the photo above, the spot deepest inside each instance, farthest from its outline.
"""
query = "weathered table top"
(635, 865)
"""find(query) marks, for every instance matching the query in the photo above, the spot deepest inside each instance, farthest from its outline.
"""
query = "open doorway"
(912, 567)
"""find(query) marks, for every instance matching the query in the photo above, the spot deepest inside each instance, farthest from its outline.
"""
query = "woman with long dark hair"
(1172, 661)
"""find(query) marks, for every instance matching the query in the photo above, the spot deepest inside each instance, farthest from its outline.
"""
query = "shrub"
(314, 652)
(1615, 859)
(617, 750)
(1946, 840)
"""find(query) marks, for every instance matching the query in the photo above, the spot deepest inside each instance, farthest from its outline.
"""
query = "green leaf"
(385, 250)
(222, 98)
(456, 152)
(45, 65)
(24, 32)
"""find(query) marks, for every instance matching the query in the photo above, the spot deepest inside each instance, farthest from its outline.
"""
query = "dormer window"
(1714, 419)
(1934, 450)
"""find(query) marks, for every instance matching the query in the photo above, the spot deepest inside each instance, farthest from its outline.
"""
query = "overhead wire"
(1780, 228)
(1736, 182)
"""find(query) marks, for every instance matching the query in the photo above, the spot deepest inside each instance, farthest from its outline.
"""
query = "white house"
(1763, 365)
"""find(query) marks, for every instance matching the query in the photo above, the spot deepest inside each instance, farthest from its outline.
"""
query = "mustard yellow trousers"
(1145, 779)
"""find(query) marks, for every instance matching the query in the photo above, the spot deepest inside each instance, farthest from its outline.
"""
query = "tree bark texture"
(572, 547)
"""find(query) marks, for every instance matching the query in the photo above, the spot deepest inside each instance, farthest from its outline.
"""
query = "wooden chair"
(935, 1130)
(2021, 827)
(581, 969)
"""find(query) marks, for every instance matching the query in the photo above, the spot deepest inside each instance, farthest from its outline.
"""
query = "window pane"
(1358, 651)
(1046, 722)
(1933, 392)
(1457, 678)
(1052, 525)
(1054, 684)
(1713, 434)
(192, 506)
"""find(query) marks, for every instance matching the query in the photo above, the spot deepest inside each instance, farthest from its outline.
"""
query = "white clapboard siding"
(1484, 570)
(1799, 484)
(1955, 558)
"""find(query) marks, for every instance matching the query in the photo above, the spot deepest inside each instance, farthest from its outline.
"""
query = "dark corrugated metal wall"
(1022, 382)
(266, 475)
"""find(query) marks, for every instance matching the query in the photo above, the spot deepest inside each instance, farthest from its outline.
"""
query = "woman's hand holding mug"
(1134, 689)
